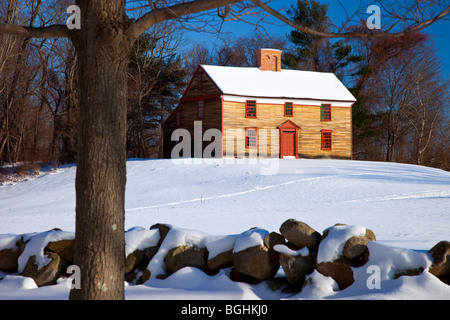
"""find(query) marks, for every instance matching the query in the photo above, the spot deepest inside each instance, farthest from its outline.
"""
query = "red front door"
(287, 142)
(288, 139)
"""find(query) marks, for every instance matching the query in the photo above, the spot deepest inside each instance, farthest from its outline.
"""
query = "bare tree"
(401, 18)
(156, 80)
(103, 48)
(402, 98)
(430, 97)
(236, 52)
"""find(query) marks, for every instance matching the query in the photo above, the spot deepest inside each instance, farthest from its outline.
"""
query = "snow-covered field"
(406, 206)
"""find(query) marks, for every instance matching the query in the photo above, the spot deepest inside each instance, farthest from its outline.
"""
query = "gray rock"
(49, 273)
(340, 270)
(356, 247)
(297, 268)
(300, 234)
(440, 256)
(256, 262)
(221, 261)
(186, 256)
(8, 260)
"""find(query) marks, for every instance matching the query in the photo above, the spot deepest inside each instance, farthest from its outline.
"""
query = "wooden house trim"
(252, 97)
(184, 98)
(281, 101)
(288, 124)
(351, 132)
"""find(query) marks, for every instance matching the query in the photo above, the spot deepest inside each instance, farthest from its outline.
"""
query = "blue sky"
(439, 31)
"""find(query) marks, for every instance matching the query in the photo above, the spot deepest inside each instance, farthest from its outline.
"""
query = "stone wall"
(254, 256)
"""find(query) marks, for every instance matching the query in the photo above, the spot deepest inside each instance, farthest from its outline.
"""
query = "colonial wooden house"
(285, 113)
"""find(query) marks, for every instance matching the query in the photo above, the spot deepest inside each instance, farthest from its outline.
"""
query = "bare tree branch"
(186, 8)
(354, 34)
(53, 31)
(175, 12)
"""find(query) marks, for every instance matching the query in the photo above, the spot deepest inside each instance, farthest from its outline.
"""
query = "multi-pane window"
(325, 112)
(250, 138)
(250, 109)
(288, 109)
(326, 139)
(201, 109)
(199, 81)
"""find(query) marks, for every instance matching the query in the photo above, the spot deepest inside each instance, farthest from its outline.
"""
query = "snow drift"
(405, 205)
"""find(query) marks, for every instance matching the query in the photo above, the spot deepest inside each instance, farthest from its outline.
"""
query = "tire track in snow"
(425, 194)
(234, 194)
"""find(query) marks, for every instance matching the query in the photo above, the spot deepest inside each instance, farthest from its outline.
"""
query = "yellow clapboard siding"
(269, 116)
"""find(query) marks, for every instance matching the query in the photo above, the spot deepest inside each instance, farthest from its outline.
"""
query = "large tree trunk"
(103, 56)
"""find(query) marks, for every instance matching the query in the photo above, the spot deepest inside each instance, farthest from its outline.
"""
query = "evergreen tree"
(315, 53)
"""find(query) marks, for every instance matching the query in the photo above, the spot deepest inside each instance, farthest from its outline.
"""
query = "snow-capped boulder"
(251, 257)
(220, 251)
(341, 248)
(8, 260)
(440, 256)
(300, 234)
(9, 252)
(47, 274)
(140, 243)
(339, 269)
(355, 248)
(163, 231)
(255, 262)
(186, 256)
(220, 261)
(63, 248)
(297, 264)
(38, 262)
(270, 241)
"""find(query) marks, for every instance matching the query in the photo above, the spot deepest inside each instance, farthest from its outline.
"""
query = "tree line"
(39, 92)
(402, 113)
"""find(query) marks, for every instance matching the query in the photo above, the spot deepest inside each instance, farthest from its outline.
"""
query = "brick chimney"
(268, 59)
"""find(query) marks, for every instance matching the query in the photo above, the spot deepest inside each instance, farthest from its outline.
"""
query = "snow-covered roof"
(295, 84)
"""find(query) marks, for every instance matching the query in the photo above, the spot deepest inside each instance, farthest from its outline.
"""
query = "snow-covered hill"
(406, 206)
